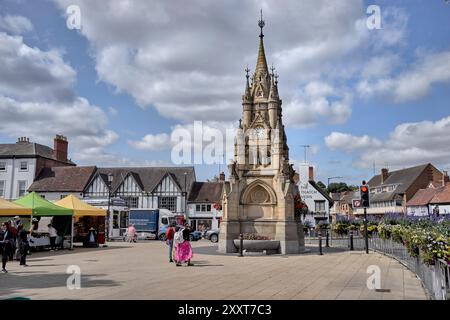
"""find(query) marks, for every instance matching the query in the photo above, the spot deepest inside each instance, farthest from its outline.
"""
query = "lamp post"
(331, 178)
(185, 195)
(108, 224)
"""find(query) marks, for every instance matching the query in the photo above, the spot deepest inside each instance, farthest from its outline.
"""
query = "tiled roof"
(322, 192)
(206, 192)
(27, 149)
(443, 196)
(424, 196)
(149, 177)
(404, 178)
(62, 179)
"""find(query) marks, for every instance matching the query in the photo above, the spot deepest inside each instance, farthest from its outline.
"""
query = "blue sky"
(144, 68)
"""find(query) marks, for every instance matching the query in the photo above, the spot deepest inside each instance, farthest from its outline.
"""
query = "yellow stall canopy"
(12, 209)
(79, 207)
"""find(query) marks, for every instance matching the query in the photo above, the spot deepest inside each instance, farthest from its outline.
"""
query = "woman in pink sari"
(183, 250)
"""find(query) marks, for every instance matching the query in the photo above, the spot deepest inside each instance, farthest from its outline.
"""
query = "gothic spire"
(261, 63)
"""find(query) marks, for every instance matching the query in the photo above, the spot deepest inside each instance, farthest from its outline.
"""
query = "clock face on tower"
(259, 132)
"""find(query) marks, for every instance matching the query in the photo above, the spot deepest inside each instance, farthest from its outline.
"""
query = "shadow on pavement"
(48, 254)
(12, 282)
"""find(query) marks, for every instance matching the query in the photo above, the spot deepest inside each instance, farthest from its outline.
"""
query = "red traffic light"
(364, 189)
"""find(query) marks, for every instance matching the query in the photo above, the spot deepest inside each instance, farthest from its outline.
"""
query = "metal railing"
(435, 278)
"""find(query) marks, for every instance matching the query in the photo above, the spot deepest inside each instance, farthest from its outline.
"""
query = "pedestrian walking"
(52, 234)
(24, 246)
(170, 233)
(6, 239)
(183, 249)
(131, 233)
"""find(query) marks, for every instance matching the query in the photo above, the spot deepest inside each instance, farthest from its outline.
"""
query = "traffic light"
(364, 189)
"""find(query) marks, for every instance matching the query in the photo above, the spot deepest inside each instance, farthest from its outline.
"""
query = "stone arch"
(259, 193)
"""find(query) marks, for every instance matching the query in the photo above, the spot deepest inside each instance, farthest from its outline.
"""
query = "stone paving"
(141, 271)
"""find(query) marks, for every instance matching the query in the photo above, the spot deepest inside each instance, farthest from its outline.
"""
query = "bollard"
(327, 240)
(351, 241)
(320, 244)
(241, 245)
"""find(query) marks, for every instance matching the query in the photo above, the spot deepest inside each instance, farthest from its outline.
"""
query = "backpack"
(178, 238)
(169, 233)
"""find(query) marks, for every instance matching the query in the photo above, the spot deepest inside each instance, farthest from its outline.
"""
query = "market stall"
(42, 210)
(86, 220)
(8, 210)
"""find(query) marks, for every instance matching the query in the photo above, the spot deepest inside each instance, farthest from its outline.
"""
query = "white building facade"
(316, 199)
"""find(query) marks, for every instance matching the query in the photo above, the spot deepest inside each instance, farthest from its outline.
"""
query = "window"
(2, 188)
(198, 208)
(22, 188)
(132, 202)
(320, 206)
(169, 203)
(2, 166)
(23, 166)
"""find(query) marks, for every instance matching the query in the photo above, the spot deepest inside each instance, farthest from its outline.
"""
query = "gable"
(97, 186)
(167, 185)
(129, 186)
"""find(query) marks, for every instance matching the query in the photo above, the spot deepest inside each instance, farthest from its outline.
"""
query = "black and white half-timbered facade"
(145, 187)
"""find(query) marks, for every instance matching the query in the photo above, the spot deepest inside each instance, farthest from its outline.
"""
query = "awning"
(79, 207)
(41, 207)
(8, 208)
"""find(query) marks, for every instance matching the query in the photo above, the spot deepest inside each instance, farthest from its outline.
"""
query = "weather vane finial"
(261, 24)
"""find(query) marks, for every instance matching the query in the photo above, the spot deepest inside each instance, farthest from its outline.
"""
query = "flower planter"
(269, 246)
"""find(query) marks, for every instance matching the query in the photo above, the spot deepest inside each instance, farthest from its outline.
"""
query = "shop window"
(2, 188)
(169, 203)
(123, 219)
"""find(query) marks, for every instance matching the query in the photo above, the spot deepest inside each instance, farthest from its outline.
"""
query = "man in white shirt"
(53, 234)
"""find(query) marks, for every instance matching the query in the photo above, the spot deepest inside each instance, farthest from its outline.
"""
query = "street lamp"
(108, 224)
(185, 195)
(331, 178)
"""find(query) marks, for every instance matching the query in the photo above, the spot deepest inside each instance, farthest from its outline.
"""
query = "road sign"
(356, 203)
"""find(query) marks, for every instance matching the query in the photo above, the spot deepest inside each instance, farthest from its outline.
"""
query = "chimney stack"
(60, 148)
(222, 177)
(23, 140)
(311, 173)
(384, 175)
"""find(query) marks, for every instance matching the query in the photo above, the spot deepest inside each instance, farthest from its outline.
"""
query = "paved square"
(141, 271)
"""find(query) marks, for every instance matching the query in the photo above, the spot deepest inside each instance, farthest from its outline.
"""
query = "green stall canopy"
(41, 207)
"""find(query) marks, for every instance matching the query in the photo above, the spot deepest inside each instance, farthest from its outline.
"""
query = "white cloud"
(153, 142)
(37, 100)
(408, 145)
(32, 74)
(348, 142)
(318, 100)
(15, 24)
(413, 83)
(187, 61)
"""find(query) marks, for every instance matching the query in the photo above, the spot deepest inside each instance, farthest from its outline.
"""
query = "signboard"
(144, 220)
(356, 203)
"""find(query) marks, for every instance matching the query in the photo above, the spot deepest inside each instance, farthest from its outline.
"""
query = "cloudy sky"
(137, 70)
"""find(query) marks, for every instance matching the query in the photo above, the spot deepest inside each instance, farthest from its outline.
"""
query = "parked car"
(194, 235)
(212, 235)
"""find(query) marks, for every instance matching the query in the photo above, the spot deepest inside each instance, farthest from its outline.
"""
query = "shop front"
(88, 221)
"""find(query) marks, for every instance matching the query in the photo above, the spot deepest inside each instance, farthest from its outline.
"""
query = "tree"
(339, 187)
(322, 185)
